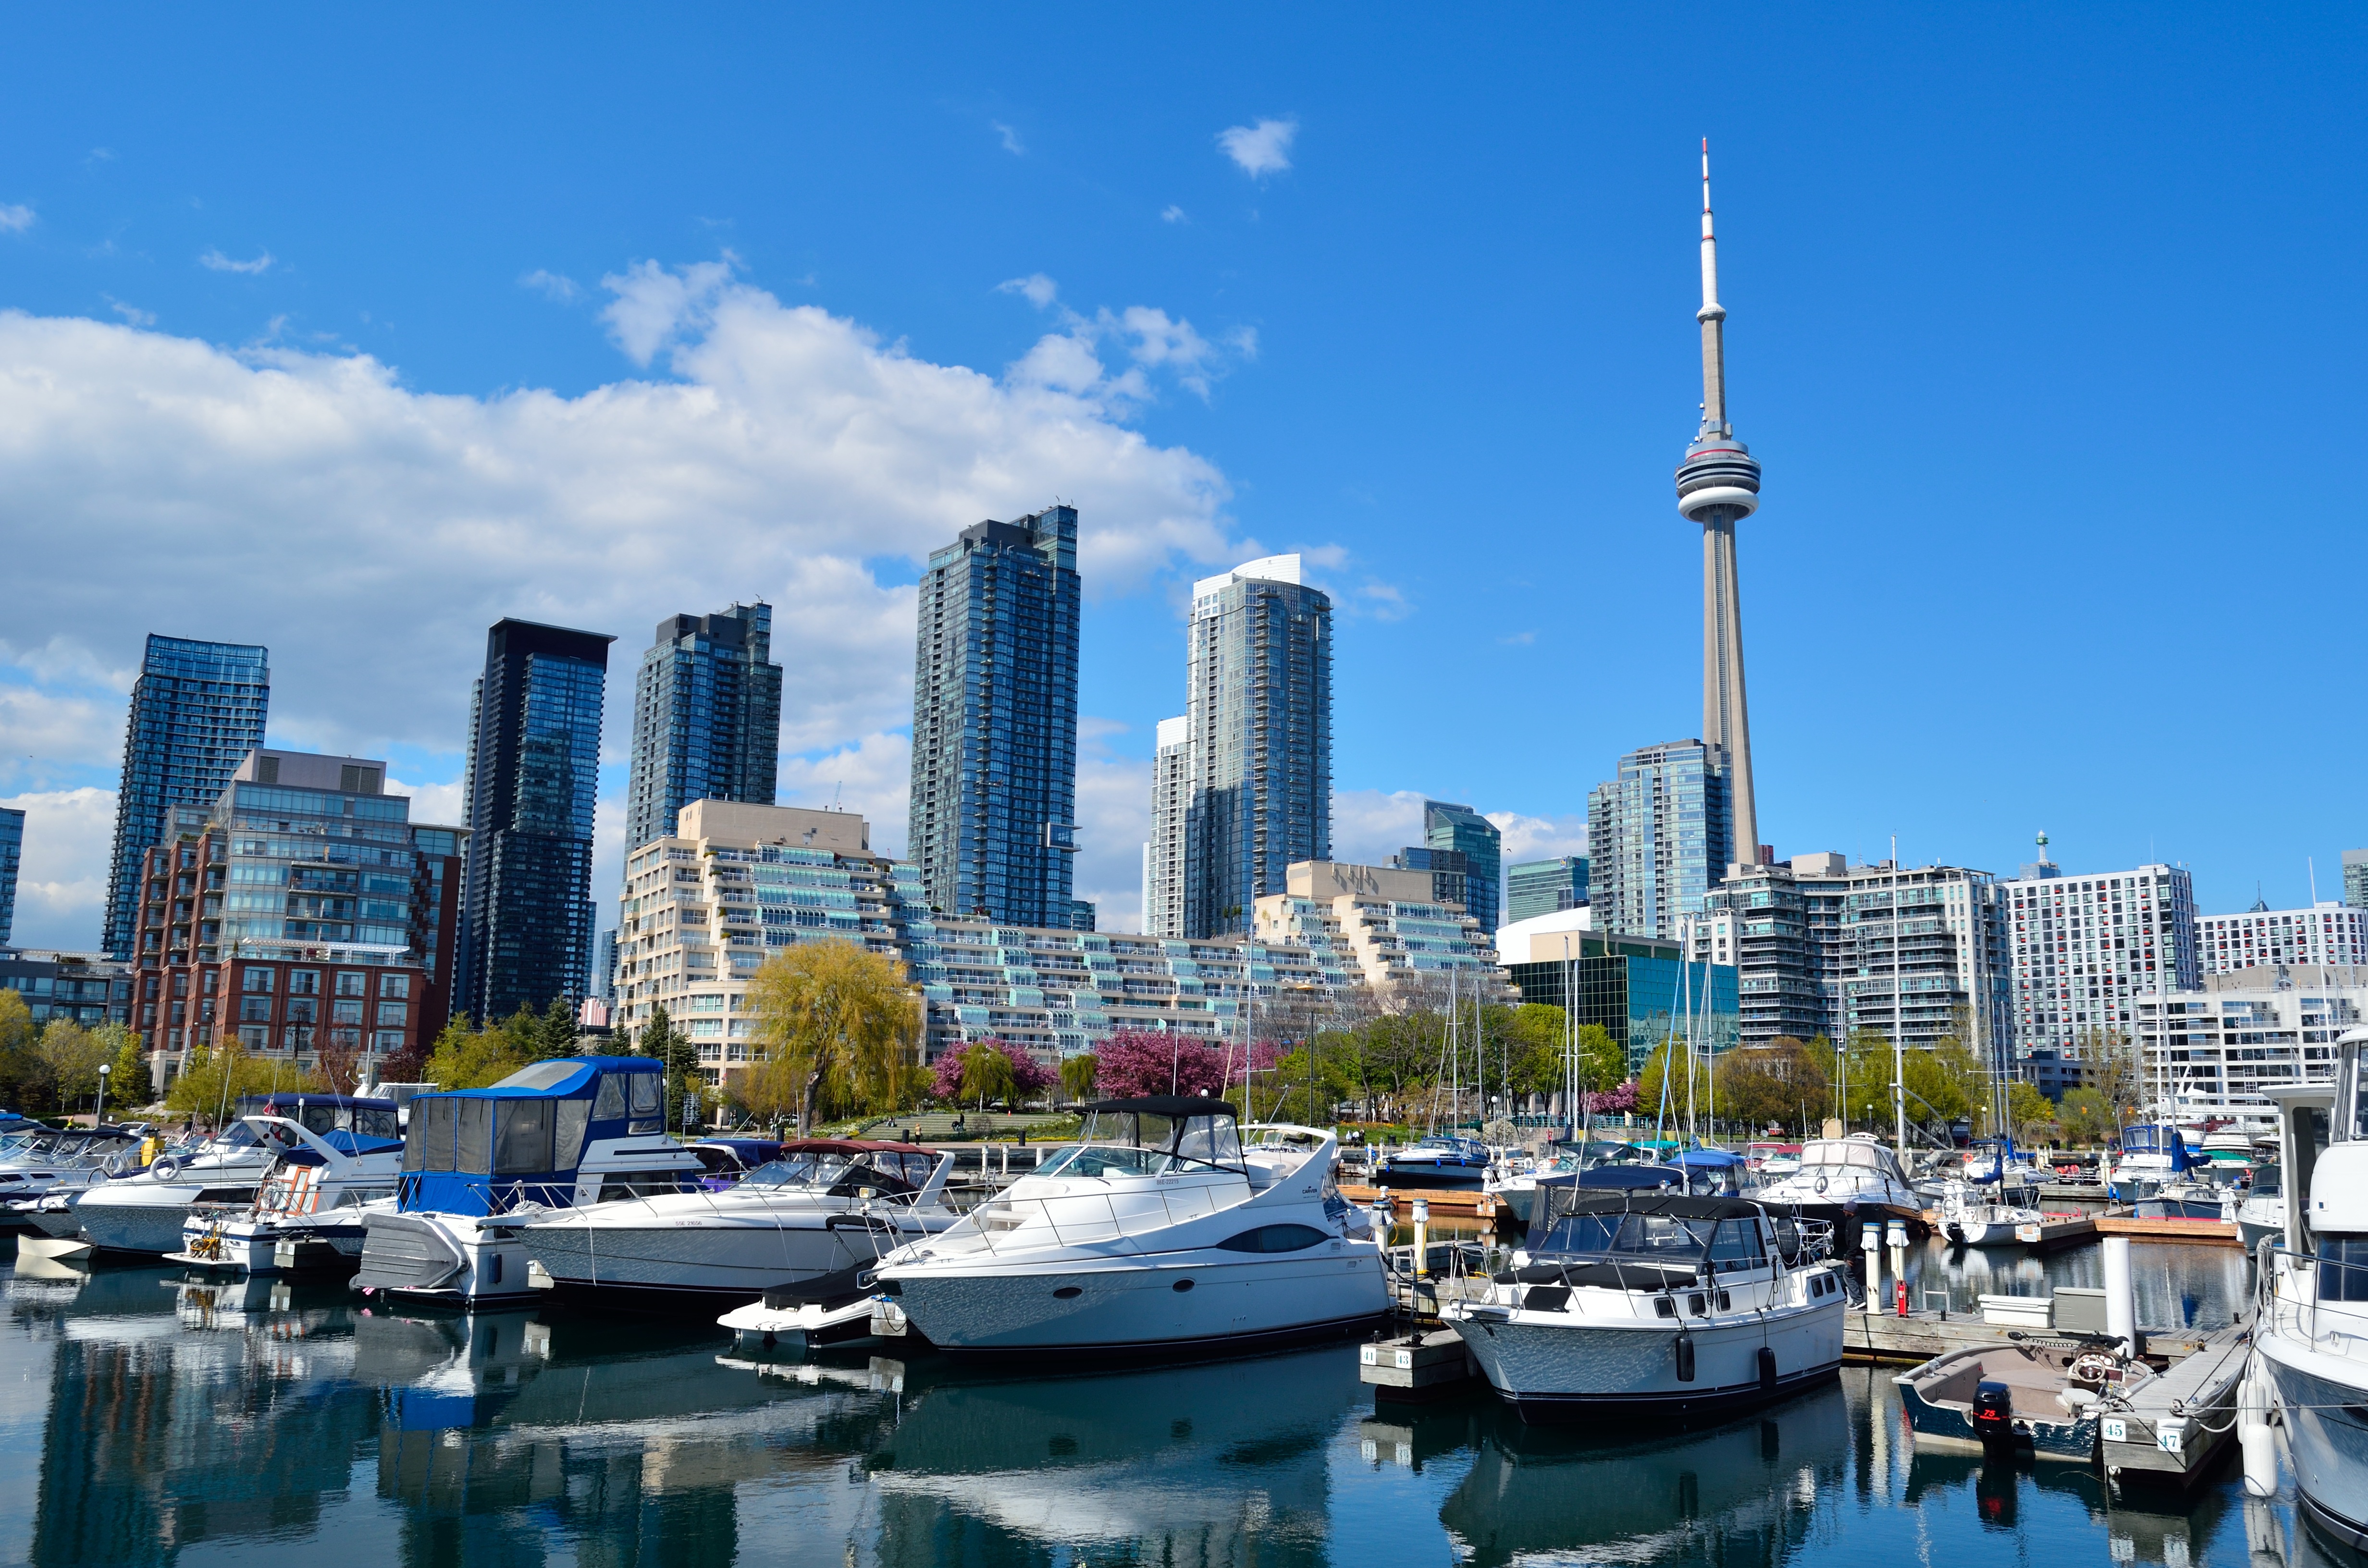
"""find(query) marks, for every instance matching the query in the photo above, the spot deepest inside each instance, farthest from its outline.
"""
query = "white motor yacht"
(144, 1215)
(1970, 1217)
(1157, 1231)
(479, 1165)
(2310, 1329)
(310, 1199)
(38, 1161)
(1663, 1303)
(2263, 1214)
(821, 1206)
(1849, 1183)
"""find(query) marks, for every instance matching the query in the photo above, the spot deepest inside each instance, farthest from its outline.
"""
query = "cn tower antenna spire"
(1718, 486)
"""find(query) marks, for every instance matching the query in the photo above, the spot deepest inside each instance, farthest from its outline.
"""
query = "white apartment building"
(2086, 949)
(1163, 857)
(2208, 1055)
(2327, 935)
(1381, 924)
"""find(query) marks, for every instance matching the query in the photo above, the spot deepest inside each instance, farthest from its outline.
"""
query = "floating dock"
(2200, 1232)
(1467, 1203)
(2179, 1424)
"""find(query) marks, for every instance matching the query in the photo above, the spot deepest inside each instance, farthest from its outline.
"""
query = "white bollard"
(1895, 1237)
(1422, 1238)
(2121, 1295)
(2254, 1436)
(1870, 1249)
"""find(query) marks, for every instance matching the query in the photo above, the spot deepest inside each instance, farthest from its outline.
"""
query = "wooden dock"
(2179, 1424)
(1879, 1338)
(2200, 1232)
(1469, 1203)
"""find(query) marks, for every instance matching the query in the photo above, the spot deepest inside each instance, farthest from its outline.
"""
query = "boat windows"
(1275, 1238)
(428, 1143)
(1133, 1142)
(610, 1106)
(522, 1137)
(809, 1167)
(472, 1135)
(639, 1184)
(542, 1074)
(2343, 1268)
(2265, 1181)
(567, 1133)
(1657, 1238)
(1734, 1246)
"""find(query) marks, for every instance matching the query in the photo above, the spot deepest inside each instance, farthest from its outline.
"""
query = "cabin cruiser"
(144, 1215)
(1438, 1164)
(823, 1205)
(2310, 1327)
(479, 1165)
(311, 1200)
(2191, 1200)
(1970, 1217)
(2151, 1156)
(1664, 1302)
(724, 1161)
(1157, 1229)
(1849, 1183)
(37, 1162)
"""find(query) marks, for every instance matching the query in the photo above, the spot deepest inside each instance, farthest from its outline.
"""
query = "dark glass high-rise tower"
(707, 718)
(1259, 711)
(12, 849)
(1446, 826)
(527, 931)
(995, 721)
(196, 710)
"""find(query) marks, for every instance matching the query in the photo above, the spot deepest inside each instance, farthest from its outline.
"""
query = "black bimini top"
(1172, 1106)
(1674, 1205)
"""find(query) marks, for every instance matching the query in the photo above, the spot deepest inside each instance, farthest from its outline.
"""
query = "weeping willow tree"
(835, 1023)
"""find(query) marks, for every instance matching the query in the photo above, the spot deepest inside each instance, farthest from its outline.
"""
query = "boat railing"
(2292, 1289)
(1075, 1218)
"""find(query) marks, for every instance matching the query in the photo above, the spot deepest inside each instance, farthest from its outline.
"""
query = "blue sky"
(2042, 321)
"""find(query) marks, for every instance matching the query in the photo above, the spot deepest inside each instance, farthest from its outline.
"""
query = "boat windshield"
(1844, 1154)
(25, 1145)
(2265, 1181)
(809, 1168)
(1667, 1240)
(1132, 1142)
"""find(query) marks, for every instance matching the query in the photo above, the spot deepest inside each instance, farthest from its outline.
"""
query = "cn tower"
(1718, 486)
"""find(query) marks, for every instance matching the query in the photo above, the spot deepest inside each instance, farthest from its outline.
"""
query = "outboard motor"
(1994, 1414)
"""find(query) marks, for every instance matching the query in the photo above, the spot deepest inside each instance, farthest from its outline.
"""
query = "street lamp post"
(98, 1118)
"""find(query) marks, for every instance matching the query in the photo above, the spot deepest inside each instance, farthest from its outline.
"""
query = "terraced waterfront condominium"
(533, 773)
(196, 710)
(995, 721)
(1259, 720)
(707, 718)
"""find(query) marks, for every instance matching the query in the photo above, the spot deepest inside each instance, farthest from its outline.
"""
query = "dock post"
(2121, 1296)
(1870, 1253)
(1895, 1235)
(1421, 1238)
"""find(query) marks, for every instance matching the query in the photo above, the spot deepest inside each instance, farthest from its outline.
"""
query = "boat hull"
(1550, 1371)
(1199, 1303)
(698, 1266)
(2324, 1409)
(136, 1224)
(2160, 1207)
(1422, 1176)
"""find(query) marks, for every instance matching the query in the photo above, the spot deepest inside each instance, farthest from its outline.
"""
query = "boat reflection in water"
(1746, 1491)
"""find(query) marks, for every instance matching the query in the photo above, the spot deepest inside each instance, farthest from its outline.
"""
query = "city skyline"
(1452, 432)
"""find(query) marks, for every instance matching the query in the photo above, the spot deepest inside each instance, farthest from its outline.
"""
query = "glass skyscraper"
(12, 851)
(528, 932)
(196, 710)
(1659, 837)
(1259, 717)
(1460, 829)
(707, 718)
(995, 721)
(1545, 887)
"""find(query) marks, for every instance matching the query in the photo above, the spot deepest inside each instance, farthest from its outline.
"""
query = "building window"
(352, 982)
(254, 1037)
(303, 1010)
(304, 983)
(393, 1013)
(389, 1041)
(395, 985)
(296, 1037)
(345, 1012)
(258, 979)
(254, 1010)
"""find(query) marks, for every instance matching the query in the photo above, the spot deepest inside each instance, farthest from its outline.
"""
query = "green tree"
(212, 1082)
(838, 1021)
(2027, 1110)
(1784, 1084)
(128, 1087)
(474, 1058)
(73, 1056)
(986, 1075)
(2087, 1117)
(1077, 1076)
(660, 1039)
(24, 1076)
(555, 1032)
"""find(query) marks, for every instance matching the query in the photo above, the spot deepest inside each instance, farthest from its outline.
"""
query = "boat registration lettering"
(2117, 1431)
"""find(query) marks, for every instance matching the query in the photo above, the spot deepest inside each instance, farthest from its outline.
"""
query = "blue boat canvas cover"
(522, 1140)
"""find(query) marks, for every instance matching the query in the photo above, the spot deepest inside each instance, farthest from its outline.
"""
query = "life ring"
(166, 1168)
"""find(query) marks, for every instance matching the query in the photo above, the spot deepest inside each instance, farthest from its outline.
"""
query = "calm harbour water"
(154, 1421)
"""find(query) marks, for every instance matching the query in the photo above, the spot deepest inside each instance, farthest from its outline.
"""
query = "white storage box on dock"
(2018, 1311)
(2080, 1310)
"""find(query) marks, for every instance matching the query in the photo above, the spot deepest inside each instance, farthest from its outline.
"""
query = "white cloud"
(1011, 144)
(871, 777)
(1369, 826)
(552, 286)
(1171, 213)
(1113, 819)
(61, 883)
(16, 219)
(215, 261)
(658, 306)
(437, 802)
(1262, 148)
(368, 533)
(1540, 838)
(132, 314)
(1040, 290)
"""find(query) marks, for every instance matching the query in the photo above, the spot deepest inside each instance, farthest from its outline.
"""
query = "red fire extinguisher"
(1899, 1297)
